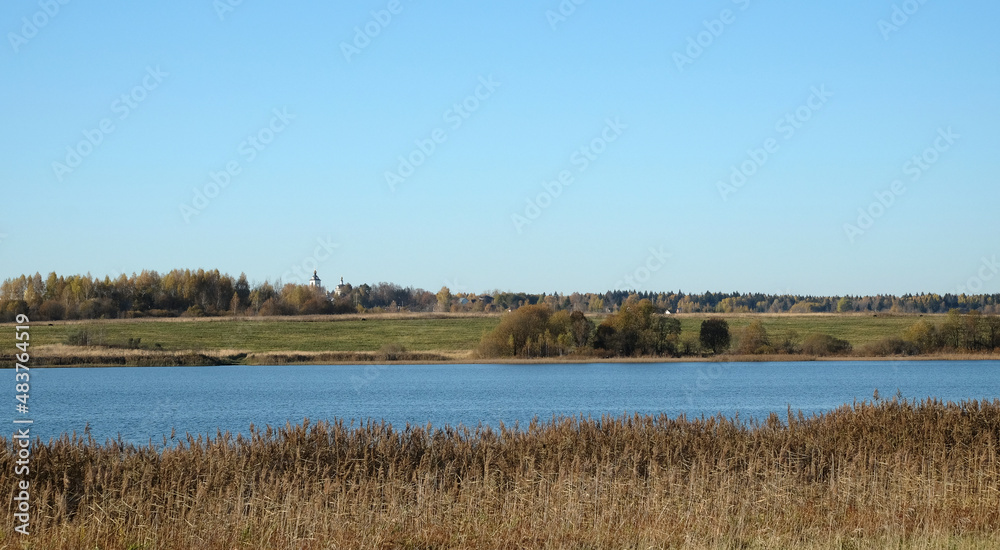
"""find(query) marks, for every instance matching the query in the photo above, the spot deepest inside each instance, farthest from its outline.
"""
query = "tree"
(52, 287)
(52, 310)
(845, 305)
(532, 331)
(636, 329)
(33, 297)
(992, 332)
(925, 335)
(444, 299)
(953, 330)
(242, 290)
(714, 334)
(581, 328)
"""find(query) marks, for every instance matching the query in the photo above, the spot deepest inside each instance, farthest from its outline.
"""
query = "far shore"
(400, 339)
(193, 358)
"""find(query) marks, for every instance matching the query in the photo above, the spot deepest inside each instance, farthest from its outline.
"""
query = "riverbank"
(72, 356)
(387, 338)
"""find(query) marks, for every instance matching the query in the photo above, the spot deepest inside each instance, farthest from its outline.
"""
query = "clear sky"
(116, 115)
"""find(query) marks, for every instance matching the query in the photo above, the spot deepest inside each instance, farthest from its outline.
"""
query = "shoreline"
(405, 338)
(223, 358)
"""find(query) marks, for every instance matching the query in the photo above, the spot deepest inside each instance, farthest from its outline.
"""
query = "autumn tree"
(444, 299)
(636, 329)
(754, 339)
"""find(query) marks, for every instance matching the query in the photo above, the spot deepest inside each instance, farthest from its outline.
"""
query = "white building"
(315, 282)
(342, 289)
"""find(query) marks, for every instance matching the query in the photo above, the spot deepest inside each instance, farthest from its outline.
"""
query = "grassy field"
(452, 337)
(856, 329)
(873, 475)
(419, 333)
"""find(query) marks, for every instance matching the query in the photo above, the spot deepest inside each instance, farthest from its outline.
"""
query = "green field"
(856, 329)
(275, 334)
(415, 333)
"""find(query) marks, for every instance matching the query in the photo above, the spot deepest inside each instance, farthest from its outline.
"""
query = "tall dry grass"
(868, 475)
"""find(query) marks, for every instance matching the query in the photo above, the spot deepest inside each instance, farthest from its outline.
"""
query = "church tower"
(314, 281)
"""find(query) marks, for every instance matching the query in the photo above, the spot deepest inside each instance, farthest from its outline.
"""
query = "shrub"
(637, 330)
(689, 344)
(824, 344)
(530, 331)
(79, 337)
(890, 346)
(391, 352)
(194, 311)
(754, 339)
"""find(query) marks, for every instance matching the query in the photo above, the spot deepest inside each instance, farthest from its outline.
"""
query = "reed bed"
(867, 475)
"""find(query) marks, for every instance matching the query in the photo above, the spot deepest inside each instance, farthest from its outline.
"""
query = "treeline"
(190, 293)
(636, 329)
(200, 292)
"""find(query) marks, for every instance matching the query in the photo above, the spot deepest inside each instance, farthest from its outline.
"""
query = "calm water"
(145, 403)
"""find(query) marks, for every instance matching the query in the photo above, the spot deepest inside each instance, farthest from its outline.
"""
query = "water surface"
(147, 403)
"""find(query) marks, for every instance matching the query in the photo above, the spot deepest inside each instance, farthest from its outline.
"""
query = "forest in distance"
(197, 293)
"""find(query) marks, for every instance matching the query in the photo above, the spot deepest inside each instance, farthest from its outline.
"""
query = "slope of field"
(418, 333)
(431, 337)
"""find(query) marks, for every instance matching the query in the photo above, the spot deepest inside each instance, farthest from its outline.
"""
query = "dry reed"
(868, 475)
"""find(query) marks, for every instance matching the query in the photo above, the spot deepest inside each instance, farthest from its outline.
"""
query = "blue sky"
(116, 115)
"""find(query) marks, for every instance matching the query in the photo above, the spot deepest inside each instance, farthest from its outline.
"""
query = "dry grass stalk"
(869, 475)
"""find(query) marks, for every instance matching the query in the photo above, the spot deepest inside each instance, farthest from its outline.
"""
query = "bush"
(529, 331)
(824, 344)
(890, 346)
(194, 311)
(754, 340)
(690, 344)
(78, 337)
(637, 330)
(391, 352)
